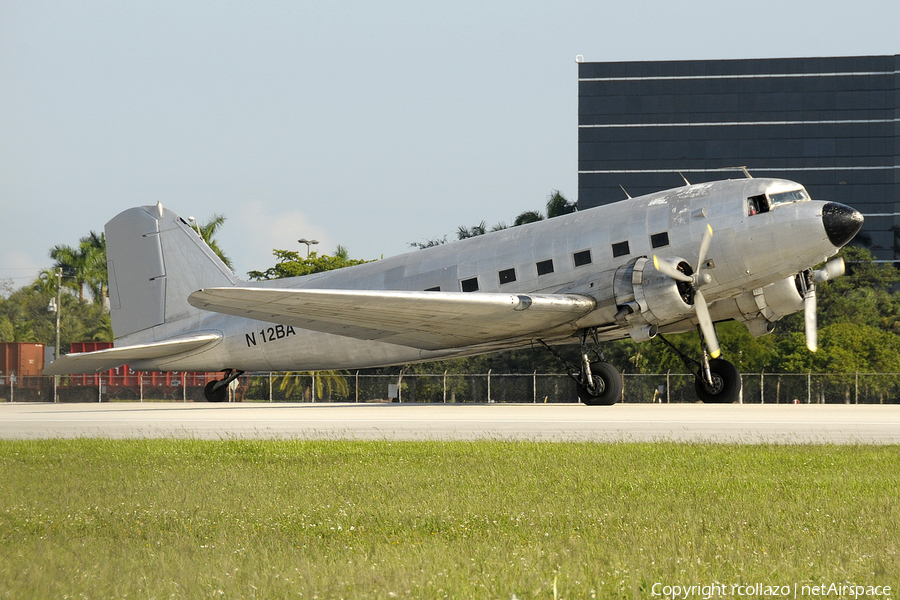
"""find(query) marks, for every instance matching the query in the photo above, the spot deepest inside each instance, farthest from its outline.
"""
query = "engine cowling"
(761, 308)
(645, 298)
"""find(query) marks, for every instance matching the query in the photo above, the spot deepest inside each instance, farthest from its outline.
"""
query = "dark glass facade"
(830, 124)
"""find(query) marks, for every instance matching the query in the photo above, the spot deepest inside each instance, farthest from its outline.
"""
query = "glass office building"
(828, 123)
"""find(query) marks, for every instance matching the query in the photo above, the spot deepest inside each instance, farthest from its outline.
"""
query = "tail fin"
(155, 262)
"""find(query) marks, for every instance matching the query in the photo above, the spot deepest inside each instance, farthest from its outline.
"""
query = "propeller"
(697, 280)
(833, 268)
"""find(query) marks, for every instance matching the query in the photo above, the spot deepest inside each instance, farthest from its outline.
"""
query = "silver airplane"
(668, 262)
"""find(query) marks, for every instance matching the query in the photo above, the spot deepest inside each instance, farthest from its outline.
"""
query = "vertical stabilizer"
(155, 262)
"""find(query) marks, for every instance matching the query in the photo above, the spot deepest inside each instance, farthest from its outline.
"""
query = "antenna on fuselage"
(686, 182)
(626, 191)
(741, 169)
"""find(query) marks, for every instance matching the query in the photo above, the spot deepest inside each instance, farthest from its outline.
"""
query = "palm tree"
(208, 232)
(529, 216)
(72, 262)
(327, 383)
(466, 232)
(82, 267)
(93, 249)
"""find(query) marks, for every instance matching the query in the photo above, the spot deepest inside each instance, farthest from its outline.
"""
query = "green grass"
(330, 519)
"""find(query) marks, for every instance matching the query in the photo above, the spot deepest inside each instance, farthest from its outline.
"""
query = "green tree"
(529, 216)
(463, 232)
(208, 232)
(430, 243)
(558, 205)
(329, 384)
(83, 267)
(293, 264)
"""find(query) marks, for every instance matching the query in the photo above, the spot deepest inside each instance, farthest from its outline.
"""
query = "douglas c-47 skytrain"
(669, 262)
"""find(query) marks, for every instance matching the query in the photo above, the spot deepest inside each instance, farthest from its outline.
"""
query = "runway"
(734, 423)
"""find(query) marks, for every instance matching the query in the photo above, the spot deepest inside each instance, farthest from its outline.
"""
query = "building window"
(545, 266)
(507, 276)
(470, 285)
(658, 240)
(582, 258)
(621, 249)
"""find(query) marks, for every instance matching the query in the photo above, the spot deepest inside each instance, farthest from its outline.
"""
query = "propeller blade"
(668, 269)
(706, 324)
(704, 246)
(809, 319)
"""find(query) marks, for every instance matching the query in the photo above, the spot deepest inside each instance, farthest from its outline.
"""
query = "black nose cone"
(841, 223)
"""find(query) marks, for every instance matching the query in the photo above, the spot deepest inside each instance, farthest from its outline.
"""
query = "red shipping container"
(21, 359)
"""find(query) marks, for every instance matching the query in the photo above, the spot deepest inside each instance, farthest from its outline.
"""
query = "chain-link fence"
(758, 388)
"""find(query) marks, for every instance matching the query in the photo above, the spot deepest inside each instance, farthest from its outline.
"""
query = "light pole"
(308, 244)
(56, 306)
(196, 226)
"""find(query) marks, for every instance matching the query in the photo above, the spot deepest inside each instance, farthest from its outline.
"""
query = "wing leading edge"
(426, 320)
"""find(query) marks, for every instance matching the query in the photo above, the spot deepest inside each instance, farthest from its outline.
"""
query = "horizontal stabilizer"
(426, 320)
(102, 360)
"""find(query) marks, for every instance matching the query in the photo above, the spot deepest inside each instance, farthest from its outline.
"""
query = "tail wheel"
(726, 383)
(607, 386)
(212, 394)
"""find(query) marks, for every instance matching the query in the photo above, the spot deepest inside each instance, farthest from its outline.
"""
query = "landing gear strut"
(217, 391)
(598, 382)
(716, 381)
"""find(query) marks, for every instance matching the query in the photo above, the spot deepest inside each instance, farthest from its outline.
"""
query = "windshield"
(790, 196)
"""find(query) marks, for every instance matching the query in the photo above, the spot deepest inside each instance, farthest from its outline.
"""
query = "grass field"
(328, 519)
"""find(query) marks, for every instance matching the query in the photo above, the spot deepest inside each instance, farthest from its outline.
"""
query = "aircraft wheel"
(726, 386)
(607, 389)
(212, 395)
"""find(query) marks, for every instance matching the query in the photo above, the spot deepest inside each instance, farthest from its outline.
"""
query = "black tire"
(726, 387)
(607, 388)
(219, 395)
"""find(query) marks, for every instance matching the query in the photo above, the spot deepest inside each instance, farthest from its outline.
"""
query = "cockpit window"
(786, 197)
(757, 204)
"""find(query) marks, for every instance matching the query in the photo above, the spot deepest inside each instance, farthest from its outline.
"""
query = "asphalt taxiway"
(734, 423)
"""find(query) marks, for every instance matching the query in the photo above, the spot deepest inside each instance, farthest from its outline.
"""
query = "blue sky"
(356, 123)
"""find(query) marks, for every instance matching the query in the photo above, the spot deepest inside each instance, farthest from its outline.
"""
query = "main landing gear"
(598, 382)
(217, 391)
(716, 381)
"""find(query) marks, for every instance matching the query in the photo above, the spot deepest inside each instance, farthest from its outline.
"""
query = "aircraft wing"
(426, 320)
(110, 358)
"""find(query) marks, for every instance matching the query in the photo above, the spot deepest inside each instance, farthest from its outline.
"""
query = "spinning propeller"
(698, 280)
(833, 268)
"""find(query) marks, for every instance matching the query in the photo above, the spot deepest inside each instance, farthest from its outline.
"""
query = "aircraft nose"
(841, 222)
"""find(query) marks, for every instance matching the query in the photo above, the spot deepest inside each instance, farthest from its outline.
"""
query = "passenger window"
(545, 267)
(582, 258)
(470, 285)
(434, 289)
(757, 204)
(658, 240)
(507, 276)
(621, 249)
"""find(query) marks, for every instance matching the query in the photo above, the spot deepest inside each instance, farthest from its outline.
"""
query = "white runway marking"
(781, 424)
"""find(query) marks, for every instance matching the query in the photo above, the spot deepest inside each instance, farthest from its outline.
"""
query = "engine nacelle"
(761, 308)
(645, 298)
